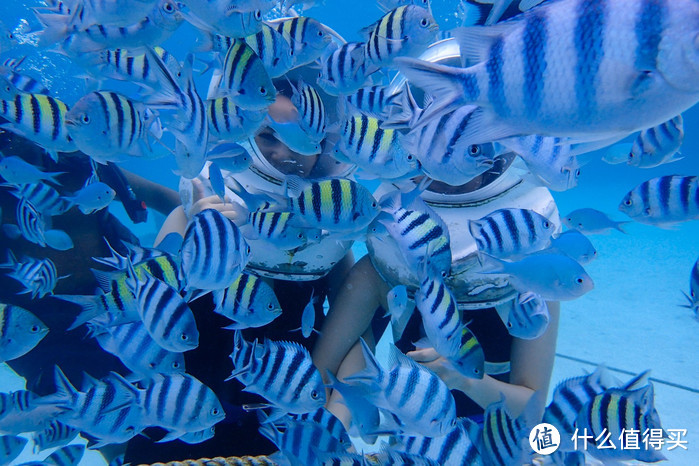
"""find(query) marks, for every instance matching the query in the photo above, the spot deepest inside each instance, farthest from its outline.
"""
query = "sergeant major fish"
(249, 302)
(20, 331)
(663, 201)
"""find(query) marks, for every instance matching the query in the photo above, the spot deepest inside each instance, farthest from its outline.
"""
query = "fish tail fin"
(90, 305)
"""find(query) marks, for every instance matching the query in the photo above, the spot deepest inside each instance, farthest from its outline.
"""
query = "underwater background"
(631, 321)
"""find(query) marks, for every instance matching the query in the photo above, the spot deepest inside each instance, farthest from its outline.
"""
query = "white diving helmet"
(508, 184)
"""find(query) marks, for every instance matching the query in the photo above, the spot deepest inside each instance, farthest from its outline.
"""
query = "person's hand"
(440, 365)
(200, 202)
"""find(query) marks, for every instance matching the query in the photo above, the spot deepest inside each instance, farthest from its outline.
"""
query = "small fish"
(337, 205)
(216, 181)
(21, 332)
(10, 447)
(249, 302)
(663, 201)
(280, 229)
(31, 224)
(575, 245)
(554, 277)
(511, 233)
(693, 296)
(122, 65)
(308, 317)
(109, 127)
(229, 122)
(245, 80)
(70, 455)
(164, 313)
(329, 422)
(200, 436)
(92, 197)
(41, 119)
(342, 69)
(273, 50)
(55, 434)
(220, 16)
(300, 441)
(588, 105)
(8, 41)
(214, 251)
(296, 387)
(307, 37)
(294, 137)
(657, 145)
(528, 316)
(591, 221)
(311, 110)
(403, 31)
(365, 418)
(12, 82)
(42, 196)
(445, 330)
(19, 413)
(615, 411)
(455, 447)
(38, 276)
(109, 12)
(400, 308)
(375, 101)
(18, 172)
(379, 152)
(137, 350)
(403, 392)
(164, 405)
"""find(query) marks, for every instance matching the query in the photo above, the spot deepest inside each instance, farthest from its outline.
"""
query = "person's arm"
(155, 196)
(531, 364)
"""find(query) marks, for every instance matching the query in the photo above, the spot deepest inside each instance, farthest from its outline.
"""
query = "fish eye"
(175, 365)
(263, 91)
(168, 7)
(547, 224)
(86, 119)
(270, 306)
(320, 33)
(474, 149)
(628, 202)
(444, 274)
(424, 22)
(300, 235)
(214, 411)
(476, 371)
(35, 328)
(10, 35)
(248, 250)
(152, 365)
(314, 394)
(579, 280)
(374, 204)
(258, 15)
(509, 325)
(184, 337)
(410, 157)
(577, 172)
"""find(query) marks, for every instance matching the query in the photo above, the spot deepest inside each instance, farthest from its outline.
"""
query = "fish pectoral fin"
(643, 83)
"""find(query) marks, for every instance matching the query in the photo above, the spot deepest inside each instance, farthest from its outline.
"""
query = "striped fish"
(55, 434)
(103, 11)
(528, 316)
(228, 122)
(109, 126)
(20, 331)
(284, 374)
(445, 330)
(30, 222)
(342, 69)
(273, 50)
(164, 267)
(502, 435)
(214, 252)
(453, 448)
(416, 399)
(245, 80)
(137, 350)
(583, 68)
(511, 233)
(693, 296)
(19, 413)
(38, 276)
(279, 228)
(122, 65)
(403, 31)
(164, 313)
(658, 145)
(77, 39)
(217, 16)
(10, 447)
(300, 441)
(311, 110)
(13, 82)
(241, 355)
(336, 205)
(391, 457)
(306, 36)
(39, 118)
(181, 404)
(329, 422)
(70, 455)
(249, 302)
(616, 411)
(378, 152)
(186, 115)
(375, 101)
(419, 231)
(663, 201)
(43, 197)
(106, 409)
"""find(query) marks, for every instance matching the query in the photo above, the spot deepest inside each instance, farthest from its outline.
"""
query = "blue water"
(631, 321)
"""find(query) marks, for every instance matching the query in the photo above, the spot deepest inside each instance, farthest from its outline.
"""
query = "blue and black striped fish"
(342, 69)
(249, 302)
(55, 434)
(274, 51)
(528, 316)
(306, 36)
(20, 331)
(453, 448)
(311, 110)
(663, 201)
(301, 442)
(38, 276)
(43, 197)
(10, 447)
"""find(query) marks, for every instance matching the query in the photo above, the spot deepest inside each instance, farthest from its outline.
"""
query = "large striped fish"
(311, 110)
(39, 118)
(284, 374)
(43, 197)
(109, 126)
(214, 252)
(415, 398)
(20, 331)
(249, 302)
(589, 69)
(181, 404)
(273, 50)
(403, 31)
(663, 201)
(343, 70)
(511, 232)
